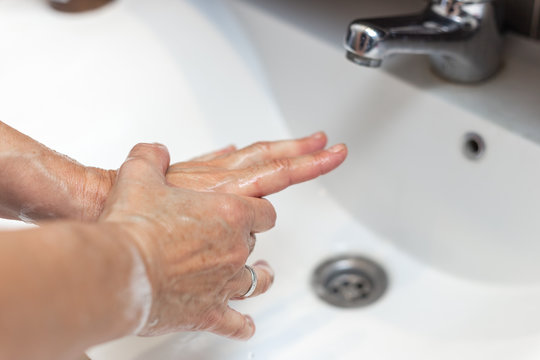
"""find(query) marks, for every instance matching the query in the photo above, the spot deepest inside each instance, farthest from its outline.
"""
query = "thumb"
(145, 162)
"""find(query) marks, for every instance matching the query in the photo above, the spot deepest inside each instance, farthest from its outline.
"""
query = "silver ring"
(253, 282)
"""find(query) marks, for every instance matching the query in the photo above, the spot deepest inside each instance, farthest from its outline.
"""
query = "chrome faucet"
(463, 38)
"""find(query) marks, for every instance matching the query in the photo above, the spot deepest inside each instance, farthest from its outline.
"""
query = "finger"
(242, 283)
(263, 151)
(235, 325)
(262, 215)
(215, 154)
(251, 242)
(277, 175)
(144, 162)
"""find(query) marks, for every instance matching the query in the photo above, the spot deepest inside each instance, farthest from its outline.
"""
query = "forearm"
(68, 286)
(37, 183)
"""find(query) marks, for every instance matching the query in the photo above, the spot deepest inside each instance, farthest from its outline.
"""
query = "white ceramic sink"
(407, 177)
(458, 238)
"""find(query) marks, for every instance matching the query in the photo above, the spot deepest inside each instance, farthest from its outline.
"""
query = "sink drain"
(349, 281)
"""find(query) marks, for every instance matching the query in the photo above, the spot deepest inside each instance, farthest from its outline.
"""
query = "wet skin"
(191, 225)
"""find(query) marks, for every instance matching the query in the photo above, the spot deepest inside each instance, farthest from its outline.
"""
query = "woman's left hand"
(258, 170)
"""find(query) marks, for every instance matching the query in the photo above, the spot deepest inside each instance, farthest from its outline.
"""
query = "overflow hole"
(474, 146)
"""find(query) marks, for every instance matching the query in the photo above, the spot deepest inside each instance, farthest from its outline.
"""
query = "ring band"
(253, 282)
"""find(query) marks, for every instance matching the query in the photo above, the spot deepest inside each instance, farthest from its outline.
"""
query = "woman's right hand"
(194, 246)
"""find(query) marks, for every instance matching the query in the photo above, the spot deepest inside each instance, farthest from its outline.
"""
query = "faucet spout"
(462, 37)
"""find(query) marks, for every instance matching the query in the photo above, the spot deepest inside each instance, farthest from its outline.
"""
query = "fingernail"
(337, 148)
(251, 323)
(318, 135)
(266, 266)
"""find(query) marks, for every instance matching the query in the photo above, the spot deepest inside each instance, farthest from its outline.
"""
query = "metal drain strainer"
(349, 281)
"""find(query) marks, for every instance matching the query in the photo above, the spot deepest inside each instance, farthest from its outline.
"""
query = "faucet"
(463, 38)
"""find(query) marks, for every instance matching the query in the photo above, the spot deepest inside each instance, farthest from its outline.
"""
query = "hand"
(194, 245)
(258, 170)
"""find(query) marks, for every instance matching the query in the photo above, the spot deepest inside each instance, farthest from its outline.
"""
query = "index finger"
(276, 175)
(269, 150)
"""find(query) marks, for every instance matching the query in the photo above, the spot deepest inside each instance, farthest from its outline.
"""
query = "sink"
(408, 177)
(456, 235)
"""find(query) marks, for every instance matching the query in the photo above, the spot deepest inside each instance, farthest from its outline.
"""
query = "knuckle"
(234, 255)
(140, 147)
(238, 256)
(146, 148)
(237, 263)
(233, 209)
(137, 164)
(144, 154)
(155, 149)
(281, 164)
(262, 146)
(243, 253)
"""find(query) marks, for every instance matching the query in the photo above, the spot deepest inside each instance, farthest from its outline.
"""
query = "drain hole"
(349, 281)
(474, 146)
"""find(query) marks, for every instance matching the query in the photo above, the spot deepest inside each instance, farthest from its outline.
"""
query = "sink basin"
(456, 235)
(408, 177)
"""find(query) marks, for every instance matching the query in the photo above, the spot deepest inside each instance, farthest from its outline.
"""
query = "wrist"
(92, 189)
(139, 292)
(132, 300)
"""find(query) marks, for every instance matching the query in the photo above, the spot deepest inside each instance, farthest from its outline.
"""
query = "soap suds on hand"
(139, 292)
